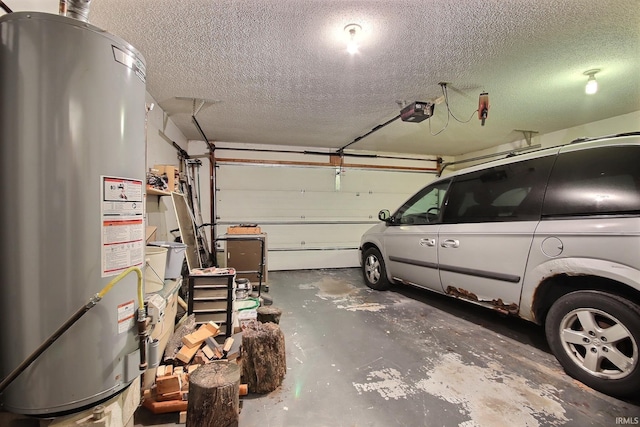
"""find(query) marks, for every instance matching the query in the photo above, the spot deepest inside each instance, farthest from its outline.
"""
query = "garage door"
(313, 215)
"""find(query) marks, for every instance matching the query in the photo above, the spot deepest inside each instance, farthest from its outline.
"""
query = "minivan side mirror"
(384, 215)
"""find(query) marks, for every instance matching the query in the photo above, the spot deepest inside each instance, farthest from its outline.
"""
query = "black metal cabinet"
(211, 300)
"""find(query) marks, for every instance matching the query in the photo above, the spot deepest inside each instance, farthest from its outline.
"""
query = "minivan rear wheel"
(374, 270)
(595, 337)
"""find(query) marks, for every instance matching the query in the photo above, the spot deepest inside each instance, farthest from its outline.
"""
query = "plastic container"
(243, 288)
(247, 311)
(154, 268)
(175, 258)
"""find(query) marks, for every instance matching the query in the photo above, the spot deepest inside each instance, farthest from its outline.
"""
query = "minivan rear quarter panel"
(605, 247)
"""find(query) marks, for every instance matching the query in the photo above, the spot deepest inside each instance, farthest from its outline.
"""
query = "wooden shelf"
(154, 192)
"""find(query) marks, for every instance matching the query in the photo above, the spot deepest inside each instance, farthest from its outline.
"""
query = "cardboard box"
(240, 229)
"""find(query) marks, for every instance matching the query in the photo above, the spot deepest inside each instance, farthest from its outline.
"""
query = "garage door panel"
(268, 205)
(310, 217)
(239, 177)
(393, 182)
(299, 260)
(304, 236)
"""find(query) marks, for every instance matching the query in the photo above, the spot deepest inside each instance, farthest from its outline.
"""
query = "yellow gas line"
(142, 333)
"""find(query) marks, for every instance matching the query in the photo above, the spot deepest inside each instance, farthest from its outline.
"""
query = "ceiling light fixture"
(592, 83)
(352, 31)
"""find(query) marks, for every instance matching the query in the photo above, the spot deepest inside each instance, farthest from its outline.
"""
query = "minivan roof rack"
(617, 135)
(491, 157)
(531, 149)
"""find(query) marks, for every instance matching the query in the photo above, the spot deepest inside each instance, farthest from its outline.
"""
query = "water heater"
(72, 178)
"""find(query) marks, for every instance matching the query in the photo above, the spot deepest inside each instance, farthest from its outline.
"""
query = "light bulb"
(352, 45)
(592, 85)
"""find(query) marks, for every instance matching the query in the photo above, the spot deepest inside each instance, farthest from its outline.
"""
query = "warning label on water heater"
(122, 224)
(125, 316)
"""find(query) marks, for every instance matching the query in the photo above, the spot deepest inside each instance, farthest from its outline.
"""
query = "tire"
(596, 337)
(374, 270)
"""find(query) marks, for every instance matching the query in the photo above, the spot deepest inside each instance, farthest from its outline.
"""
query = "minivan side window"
(423, 207)
(604, 180)
(510, 192)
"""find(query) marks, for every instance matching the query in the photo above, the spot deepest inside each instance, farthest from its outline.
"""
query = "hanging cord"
(441, 130)
(446, 101)
(450, 114)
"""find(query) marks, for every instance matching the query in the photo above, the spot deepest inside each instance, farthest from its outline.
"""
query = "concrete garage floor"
(407, 357)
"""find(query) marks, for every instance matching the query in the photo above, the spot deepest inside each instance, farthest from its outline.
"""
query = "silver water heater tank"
(72, 179)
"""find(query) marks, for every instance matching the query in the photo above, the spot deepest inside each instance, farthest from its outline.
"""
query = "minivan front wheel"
(374, 271)
(595, 337)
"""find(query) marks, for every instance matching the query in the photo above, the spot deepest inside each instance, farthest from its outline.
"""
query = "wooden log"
(185, 382)
(244, 390)
(269, 313)
(227, 345)
(205, 331)
(263, 356)
(200, 358)
(234, 351)
(176, 395)
(186, 353)
(174, 343)
(208, 352)
(168, 384)
(163, 407)
(214, 399)
(213, 345)
(160, 370)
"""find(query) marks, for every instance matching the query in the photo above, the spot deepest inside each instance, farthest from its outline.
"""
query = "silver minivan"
(551, 236)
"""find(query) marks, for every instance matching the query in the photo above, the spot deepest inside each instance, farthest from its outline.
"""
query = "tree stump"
(263, 356)
(214, 399)
(269, 314)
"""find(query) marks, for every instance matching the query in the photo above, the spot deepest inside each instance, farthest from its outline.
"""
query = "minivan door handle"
(450, 243)
(427, 242)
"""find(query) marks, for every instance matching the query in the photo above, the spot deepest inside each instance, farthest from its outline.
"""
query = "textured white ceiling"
(282, 74)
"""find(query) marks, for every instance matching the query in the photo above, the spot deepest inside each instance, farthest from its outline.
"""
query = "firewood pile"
(190, 347)
(257, 359)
